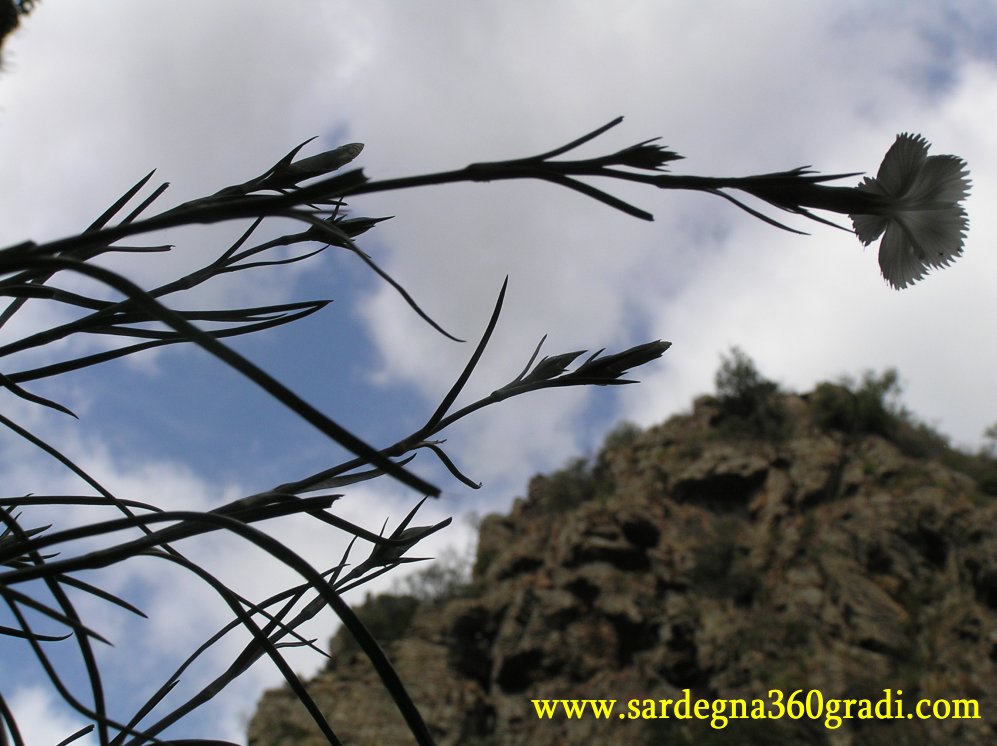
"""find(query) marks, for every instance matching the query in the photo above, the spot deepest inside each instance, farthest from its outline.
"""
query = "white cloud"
(43, 720)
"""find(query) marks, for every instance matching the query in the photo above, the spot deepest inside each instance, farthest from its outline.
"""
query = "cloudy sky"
(95, 94)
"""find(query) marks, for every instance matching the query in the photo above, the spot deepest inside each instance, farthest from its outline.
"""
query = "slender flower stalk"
(914, 203)
(914, 199)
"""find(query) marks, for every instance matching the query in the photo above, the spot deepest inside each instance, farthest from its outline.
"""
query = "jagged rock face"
(726, 566)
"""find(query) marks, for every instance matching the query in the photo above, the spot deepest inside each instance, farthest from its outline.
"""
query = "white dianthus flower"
(923, 225)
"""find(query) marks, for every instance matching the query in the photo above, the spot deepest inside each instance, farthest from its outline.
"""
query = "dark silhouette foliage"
(749, 404)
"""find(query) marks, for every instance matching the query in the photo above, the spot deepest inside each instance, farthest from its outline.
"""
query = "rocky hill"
(764, 541)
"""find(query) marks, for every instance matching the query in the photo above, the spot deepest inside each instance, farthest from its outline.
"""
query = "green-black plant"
(869, 407)
(622, 435)
(448, 576)
(387, 617)
(311, 192)
(872, 406)
(564, 489)
(749, 403)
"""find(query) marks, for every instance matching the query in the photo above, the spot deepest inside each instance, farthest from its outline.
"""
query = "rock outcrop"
(693, 557)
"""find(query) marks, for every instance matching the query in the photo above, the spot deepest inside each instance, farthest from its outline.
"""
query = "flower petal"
(871, 185)
(919, 240)
(943, 178)
(936, 235)
(897, 261)
(901, 164)
(868, 227)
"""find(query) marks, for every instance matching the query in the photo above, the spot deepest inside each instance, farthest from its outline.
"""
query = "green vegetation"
(749, 404)
(872, 407)
(387, 617)
(582, 479)
(564, 489)
(449, 576)
(869, 407)
(625, 433)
